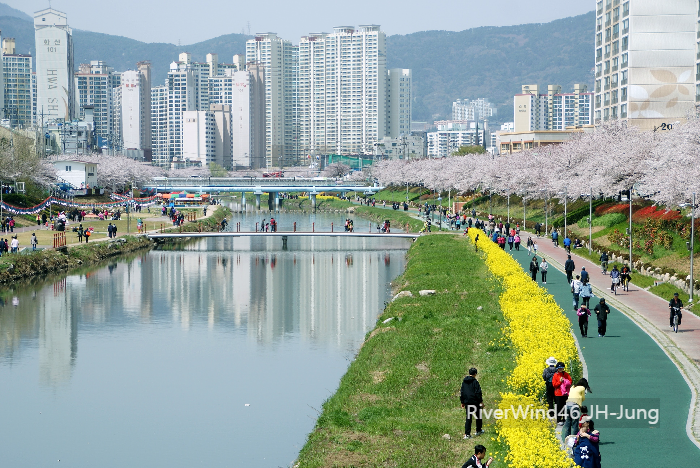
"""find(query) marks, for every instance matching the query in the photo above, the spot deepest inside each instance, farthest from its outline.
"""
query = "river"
(218, 354)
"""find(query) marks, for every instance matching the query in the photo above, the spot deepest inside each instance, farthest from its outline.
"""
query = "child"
(534, 246)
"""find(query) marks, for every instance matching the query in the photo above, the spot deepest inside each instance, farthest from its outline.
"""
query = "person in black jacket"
(479, 455)
(472, 402)
(534, 268)
(569, 268)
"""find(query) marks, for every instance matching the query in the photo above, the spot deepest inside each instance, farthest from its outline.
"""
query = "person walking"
(534, 268)
(109, 230)
(516, 240)
(601, 311)
(14, 244)
(584, 275)
(576, 290)
(577, 395)
(547, 375)
(472, 401)
(534, 246)
(511, 240)
(583, 313)
(543, 270)
(34, 241)
(476, 460)
(529, 245)
(586, 293)
(562, 383)
(569, 267)
(80, 233)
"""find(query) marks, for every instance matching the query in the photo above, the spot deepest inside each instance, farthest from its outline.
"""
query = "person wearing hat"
(547, 375)
(602, 310)
(675, 306)
(562, 384)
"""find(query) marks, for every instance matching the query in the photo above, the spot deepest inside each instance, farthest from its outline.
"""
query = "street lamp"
(565, 197)
(691, 245)
(546, 212)
(590, 219)
(508, 208)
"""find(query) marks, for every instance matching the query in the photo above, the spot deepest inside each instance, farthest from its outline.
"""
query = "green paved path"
(627, 363)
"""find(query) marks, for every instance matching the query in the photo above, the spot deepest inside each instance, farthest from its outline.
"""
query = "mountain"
(7, 10)
(493, 62)
(490, 62)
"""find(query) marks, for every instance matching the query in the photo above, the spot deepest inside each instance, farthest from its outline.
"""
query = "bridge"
(272, 186)
(283, 235)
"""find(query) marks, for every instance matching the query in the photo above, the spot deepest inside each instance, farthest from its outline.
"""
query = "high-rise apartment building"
(159, 126)
(207, 136)
(279, 58)
(478, 109)
(398, 102)
(54, 65)
(18, 90)
(182, 97)
(136, 112)
(94, 84)
(342, 90)
(646, 52)
(552, 111)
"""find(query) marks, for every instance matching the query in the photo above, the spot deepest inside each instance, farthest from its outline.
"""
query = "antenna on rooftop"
(249, 28)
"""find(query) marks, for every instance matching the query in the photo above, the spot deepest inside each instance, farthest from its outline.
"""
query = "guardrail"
(164, 182)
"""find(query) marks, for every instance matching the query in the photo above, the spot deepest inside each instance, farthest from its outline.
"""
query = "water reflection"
(217, 323)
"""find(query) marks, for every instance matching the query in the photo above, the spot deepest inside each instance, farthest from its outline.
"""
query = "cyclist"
(615, 277)
(555, 238)
(625, 277)
(604, 262)
(567, 244)
(675, 306)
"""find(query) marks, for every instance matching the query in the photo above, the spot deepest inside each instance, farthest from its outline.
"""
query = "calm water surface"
(216, 355)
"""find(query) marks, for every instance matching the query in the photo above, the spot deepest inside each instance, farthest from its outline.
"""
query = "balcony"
(616, 35)
(625, 31)
(598, 42)
(697, 77)
(623, 82)
(614, 68)
(623, 114)
(597, 75)
(607, 87)
(606, 103)
(597, 105)
(599, 11)
(597, 89)
(697, 98)
(614, 101)
(608, 23)
(624, 46)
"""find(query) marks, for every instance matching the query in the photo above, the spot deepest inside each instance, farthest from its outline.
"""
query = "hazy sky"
(198, 20)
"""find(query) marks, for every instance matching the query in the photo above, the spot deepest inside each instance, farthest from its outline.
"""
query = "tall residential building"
(452, 134)
(3, 111)
(54, 65)
(18, 90)
(342, 90)
(280, 61)
(552, 111)
(571, 109)
(207, 136)
(182, 97)
(398, 102)
(645, 57)
(243, 92)
(136, 112)
(159, 126)
(94, 84)
(478, 109)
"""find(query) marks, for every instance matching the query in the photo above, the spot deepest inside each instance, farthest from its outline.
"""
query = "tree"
(469, 149)
(217, 170)
(336, 170)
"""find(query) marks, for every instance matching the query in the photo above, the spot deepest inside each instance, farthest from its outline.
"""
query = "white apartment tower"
(398, 102)
(279, 58)
(207, 136)
(478, 109)
(646, 52)
(94, 84)
(342, 90)
(18, 89)
(182, 97)
(136, 112)
(54, 65)
(159, 126)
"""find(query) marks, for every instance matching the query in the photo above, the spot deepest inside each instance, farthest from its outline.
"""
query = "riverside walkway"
(638, 358)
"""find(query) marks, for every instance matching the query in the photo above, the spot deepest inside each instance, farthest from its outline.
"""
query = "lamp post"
(630, 228)
(692, 247)
(590, 221)
(508, 209)
(524, 217)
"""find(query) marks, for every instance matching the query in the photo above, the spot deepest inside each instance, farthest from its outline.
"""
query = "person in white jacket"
(543, 270)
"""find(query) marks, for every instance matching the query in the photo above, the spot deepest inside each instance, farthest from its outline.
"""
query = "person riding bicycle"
(615, 277)
(675, 306)
(625, 275)
(555, 238)
(604, 262)
(567, 244)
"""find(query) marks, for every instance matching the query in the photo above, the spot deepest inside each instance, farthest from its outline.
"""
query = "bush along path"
(400, 396)
(626, 367)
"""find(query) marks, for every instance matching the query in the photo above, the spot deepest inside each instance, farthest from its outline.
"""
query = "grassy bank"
(399, 219)
(401, 394)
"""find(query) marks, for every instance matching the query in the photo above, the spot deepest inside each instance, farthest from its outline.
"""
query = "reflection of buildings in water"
(58, 337)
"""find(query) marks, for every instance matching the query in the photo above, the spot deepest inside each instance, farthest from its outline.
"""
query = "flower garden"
(538, 329)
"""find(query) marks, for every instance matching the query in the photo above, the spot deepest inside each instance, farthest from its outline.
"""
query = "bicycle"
(626, 283)
(615, 282)
(676, 318)
(604, 267)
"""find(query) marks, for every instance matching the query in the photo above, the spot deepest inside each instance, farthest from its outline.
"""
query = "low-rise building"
(78, 174)
(403, 147)
(452, 134)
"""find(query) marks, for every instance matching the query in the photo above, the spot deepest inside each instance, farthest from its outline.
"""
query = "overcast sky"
(191, 21)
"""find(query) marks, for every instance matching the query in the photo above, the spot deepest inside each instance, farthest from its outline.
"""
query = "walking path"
(628, 364)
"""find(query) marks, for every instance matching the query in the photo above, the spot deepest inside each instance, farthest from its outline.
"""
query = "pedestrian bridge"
(283, 235)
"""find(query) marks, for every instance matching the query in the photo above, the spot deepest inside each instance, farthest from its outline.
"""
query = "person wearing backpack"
(547, 375)
(562, 383)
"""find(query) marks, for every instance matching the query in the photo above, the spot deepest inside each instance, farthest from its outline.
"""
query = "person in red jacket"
(561, 381)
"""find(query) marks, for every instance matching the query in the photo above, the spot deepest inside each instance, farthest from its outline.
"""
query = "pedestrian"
(602, 310)
(14, 244)
(472, 401)
(476, 243)
(516, 240)
(538, 228)
(88, 233)
(529, 245)
(2, 247)
(511, 240)
(543, 270)
(114, 230)
(577, 395)
(534, 246)
(38, 220)
(583, 313)
(479, 455)
(584, 275)
(586, 446)
(109, 230)
(534, 268)
(562, 383)
(80, 233)
(569, 267)
(586, 293)
(576, 290)
(547, 375)
(34, 241)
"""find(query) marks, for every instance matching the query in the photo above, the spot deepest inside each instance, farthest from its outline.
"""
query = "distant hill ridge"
(490, 62)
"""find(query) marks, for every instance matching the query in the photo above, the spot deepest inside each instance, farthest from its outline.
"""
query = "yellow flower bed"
(538, 329)
(326, 197)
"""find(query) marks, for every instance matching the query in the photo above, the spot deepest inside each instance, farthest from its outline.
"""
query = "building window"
(623, 111)
(625, 9)
(624, 61)
(606, 114)
(623, 94)
(625, 43)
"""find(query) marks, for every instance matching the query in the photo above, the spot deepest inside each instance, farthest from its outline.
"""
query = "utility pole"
(692, 246)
